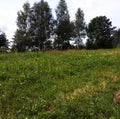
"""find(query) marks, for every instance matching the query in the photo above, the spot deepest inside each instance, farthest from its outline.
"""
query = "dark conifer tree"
(63, 28)
(21, 38)
(100, 33)
(80, 28)
(3, 41)
(41, 24)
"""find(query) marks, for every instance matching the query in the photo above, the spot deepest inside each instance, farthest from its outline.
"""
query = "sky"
(91, 9)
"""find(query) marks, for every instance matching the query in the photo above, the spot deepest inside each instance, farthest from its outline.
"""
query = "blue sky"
(91, 9)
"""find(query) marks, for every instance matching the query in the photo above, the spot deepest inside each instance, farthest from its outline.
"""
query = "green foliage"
(21, 38)
(100, 33)
(118, 46)
(3, 42)
(48, 85)
(34, 26)
(37, 29)
(41, 24)
(63, 27)
(62, 12)
(80, 27)
(116, 40)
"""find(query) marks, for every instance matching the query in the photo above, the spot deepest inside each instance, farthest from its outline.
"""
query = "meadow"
(73, 84)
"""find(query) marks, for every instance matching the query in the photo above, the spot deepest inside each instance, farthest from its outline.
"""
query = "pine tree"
(63, 28)
(3, 41)
(21, 37)
(80, 27)
(100, 33)
(41, 24)
(35, 25)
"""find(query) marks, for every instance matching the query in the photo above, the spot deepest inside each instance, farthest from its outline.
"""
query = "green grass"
(60, 85)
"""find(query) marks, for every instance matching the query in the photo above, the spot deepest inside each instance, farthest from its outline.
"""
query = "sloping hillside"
(60, 85)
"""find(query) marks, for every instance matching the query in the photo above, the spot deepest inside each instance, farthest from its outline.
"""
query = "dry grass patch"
(104, 80)
(113, 52)
(87, 90)
(110, 76)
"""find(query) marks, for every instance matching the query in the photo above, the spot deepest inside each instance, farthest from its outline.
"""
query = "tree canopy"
(3, 41)
(63, 26)
(80, 27)
(41, 24)
(116, 41)
(100, 33)
(21, 37)
(36, 28)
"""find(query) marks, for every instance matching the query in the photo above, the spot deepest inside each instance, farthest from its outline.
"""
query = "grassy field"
(60, 85)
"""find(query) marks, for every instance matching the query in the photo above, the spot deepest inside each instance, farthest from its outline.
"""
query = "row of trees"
(38, 30)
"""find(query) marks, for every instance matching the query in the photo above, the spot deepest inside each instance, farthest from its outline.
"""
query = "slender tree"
(80, 27)
(63, 28)
(41, 24)
(116, 41)
(100, 33)
(35, 26)
(21, 37)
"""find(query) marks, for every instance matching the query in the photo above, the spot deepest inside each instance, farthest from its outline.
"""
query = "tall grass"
(60, 85)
